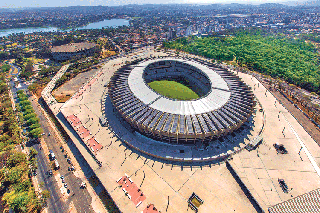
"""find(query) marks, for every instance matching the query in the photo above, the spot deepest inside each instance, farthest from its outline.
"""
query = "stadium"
(224, 101)
(186, 128)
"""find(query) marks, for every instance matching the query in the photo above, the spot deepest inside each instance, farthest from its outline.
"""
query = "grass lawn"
(173, 89)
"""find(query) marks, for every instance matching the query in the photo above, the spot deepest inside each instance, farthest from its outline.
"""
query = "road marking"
(309, 155)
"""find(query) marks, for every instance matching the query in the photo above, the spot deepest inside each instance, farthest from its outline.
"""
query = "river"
(95, 25)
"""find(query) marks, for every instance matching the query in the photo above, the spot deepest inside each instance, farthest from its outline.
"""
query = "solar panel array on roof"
(144, 116)
(190, 129)
(182, 124)
(161, 121)
(203, 124)
(196, 125)
(216, 122)
(154, 121)
(174, 124)
(168, 123)
(139, 114)
(149, 119)
(129, 110)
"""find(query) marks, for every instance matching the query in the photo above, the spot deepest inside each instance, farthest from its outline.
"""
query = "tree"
(45, 194)
(34, 126)
(36, 133)
(28, 116)
(19, 92)
(25, 103)
(5, 68)
(32, 153)
(33, 87)
(28, 111)
(15, 159)
(32, 120)
(29, 66)
(27, 107)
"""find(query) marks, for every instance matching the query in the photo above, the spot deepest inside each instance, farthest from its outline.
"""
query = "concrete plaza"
(169, 185)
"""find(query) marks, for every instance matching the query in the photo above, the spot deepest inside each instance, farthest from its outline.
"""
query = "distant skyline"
(63, 3)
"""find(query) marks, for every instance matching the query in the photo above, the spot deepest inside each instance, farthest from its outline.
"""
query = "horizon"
(18, 4)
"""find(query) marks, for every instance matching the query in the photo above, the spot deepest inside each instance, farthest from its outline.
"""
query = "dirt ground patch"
(66, 90)
(62, 98)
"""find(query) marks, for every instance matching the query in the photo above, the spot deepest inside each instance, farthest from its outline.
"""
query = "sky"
(64, 3)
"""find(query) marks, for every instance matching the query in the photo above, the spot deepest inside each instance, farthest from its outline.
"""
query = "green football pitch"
(173, 89)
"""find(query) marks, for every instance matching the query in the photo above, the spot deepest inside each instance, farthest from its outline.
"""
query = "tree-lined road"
(80, 197)
(55, 204)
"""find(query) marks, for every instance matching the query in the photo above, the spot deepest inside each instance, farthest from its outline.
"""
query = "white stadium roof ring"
(225, 101)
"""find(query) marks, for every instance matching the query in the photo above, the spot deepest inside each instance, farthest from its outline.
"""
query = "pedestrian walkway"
(46, 92)
(305, 149)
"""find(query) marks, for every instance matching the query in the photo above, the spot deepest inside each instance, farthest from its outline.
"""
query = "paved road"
(81, 197)
(54, 203)
(23, 84)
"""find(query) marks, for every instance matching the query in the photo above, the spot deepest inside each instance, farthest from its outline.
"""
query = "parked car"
(283, 185)
(51, 155)
(280, 148)
(56, 164)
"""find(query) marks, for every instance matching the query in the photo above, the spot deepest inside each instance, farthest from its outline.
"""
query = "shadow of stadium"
(121, 129)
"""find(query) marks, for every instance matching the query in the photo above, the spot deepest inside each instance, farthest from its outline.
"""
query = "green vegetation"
(43, 78)
(26, 66)
(173, 89)
(75, 69)
(16, 167)
(5, 68)
(311, 37)
(31, 119)
(292, 60)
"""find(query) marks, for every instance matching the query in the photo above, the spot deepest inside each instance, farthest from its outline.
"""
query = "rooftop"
(308, 202)
(73, 47)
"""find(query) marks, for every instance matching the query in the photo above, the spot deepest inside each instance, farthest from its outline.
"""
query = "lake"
(95, 25)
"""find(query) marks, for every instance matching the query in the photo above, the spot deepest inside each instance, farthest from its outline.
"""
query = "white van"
(56, 164)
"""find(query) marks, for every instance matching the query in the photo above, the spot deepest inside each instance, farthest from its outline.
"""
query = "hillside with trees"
(290, 59)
